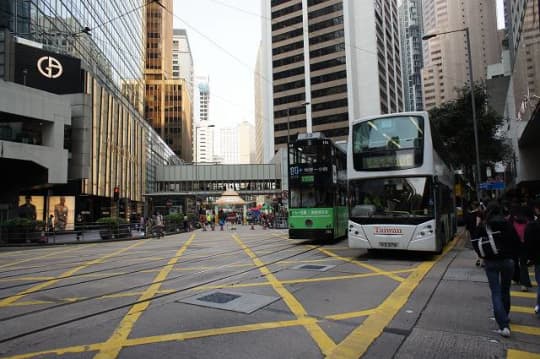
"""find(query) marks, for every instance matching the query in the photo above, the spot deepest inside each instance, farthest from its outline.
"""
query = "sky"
(224, 37)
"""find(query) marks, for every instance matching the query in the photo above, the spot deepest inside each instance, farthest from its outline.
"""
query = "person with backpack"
(519, 219)
(473, 217)
(492, 241)
(532, 246)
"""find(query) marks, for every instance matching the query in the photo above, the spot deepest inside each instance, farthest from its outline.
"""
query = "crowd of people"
(514, 227)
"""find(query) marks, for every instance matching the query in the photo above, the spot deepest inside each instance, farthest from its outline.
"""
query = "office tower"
(332, 61)
(168, 100)
(203, 145)
(228, 145)
(446, 65)
(246, 143)
(80, 131)
(411, 29)
(182, 59)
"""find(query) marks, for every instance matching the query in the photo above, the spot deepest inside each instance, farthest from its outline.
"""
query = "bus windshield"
(390, 143)
(392, 197)
(310, 197)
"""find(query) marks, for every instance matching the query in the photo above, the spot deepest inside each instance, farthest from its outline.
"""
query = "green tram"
(317, 188)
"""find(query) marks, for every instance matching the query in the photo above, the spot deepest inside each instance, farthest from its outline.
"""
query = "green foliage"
(111, 222)
(454, 122)
(174, 218)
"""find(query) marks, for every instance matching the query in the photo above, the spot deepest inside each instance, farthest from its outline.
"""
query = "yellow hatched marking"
(357, 343)
(523, 294)
(324, 342)
(520, 354)
(111, 348)
(169, 337)
(525, 329)
(10, 300)
(521, 309)
(55, 253)
(345, 316)
(363, 265)
(306, 280)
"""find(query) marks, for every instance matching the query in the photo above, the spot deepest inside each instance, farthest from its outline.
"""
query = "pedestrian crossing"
(525, 325)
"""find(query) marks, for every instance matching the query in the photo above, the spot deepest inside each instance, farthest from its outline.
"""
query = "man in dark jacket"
(532, 246)
(500, 267)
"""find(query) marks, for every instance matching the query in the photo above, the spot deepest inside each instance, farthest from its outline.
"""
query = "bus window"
(388, 143)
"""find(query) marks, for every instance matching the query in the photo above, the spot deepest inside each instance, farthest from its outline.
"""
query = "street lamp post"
(473, 102)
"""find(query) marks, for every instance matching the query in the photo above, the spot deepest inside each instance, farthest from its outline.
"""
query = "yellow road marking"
(363, 265)
(521, 309)
(170, 337)
(111, 348)
(525, 329)
(324, 342)
(357, 343)
(10, 300)
(519, 354)
(305, 280)
(46, 255)
(344, 316)
(523, 294)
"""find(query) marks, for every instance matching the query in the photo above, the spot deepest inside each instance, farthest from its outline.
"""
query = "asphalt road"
(223, 294)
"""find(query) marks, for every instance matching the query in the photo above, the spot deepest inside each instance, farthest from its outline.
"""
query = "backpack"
(487, 246)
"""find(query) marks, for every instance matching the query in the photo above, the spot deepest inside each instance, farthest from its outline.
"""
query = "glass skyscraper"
(110, 143)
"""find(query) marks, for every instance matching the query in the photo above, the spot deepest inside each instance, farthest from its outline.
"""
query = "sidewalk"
(449, 315)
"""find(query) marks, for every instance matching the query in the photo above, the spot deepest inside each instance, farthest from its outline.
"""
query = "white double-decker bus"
(400, 188)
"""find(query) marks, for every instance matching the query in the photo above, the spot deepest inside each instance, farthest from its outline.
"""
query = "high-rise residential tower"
(332, 61)
(446, 65)
(410, 18)
(168, 101)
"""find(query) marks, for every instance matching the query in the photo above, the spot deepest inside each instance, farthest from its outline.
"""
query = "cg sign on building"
(47, 71)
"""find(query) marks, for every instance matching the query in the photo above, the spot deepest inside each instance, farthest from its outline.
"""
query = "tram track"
(189, 261)
(159, 296)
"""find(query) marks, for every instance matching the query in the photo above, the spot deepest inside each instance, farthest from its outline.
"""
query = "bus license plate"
(388, 244)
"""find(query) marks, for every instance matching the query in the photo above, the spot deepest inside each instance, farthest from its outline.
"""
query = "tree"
(453, 121)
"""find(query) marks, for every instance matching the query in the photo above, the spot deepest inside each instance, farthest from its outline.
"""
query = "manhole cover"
(229, 300)
(316, 267)
(312, 267)
(219, 298)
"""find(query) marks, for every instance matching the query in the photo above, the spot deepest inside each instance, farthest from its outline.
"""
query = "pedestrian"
(186, 224)
(519, 219)
(499, 267)
(222, 217)
(142, 224)
(532, 245)
(473, 217)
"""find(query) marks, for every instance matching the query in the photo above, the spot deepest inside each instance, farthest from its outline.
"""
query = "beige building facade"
(446, 65)
(168, 102)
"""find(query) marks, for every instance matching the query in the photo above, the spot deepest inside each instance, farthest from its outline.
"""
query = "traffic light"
(116, 195)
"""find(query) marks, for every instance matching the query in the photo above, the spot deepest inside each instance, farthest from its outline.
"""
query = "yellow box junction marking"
(519, 354)
(363, 265)
(111, 348)
(322, 339)
(55, 253)
(357, 343)
(10, 300)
